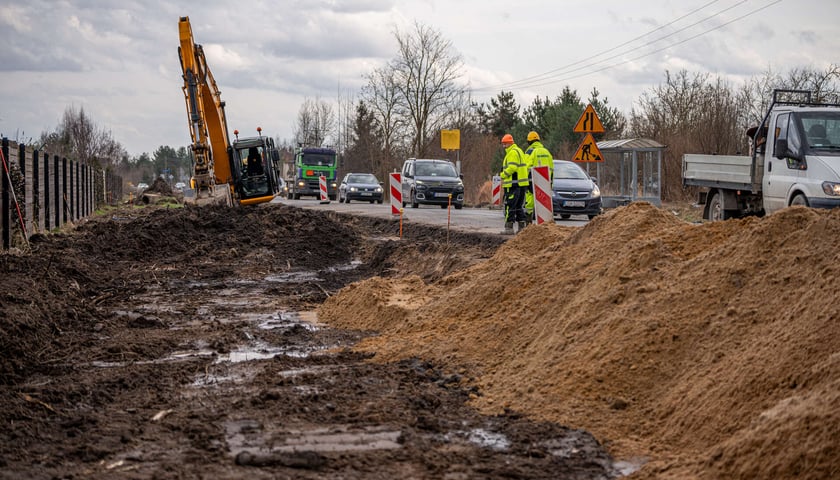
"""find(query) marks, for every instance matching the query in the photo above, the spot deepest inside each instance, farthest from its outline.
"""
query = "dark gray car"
(432, 182)
(574, 192)
(360, 186)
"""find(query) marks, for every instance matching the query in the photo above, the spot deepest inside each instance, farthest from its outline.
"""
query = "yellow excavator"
(244, 172)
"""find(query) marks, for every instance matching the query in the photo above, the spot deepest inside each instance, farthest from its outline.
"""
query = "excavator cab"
(252, 166)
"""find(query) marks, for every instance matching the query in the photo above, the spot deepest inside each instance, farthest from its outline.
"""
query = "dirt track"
(183, 343)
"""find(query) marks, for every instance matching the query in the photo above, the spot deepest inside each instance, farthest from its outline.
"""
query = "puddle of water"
(306, 320)
(343, 268)
(262, 351)
(310, 276)
(174, 357)
(213, 380)
(297, 372)
(307, 390)
(293, 277)
(627, 467)
(482, 438)
(250, 436)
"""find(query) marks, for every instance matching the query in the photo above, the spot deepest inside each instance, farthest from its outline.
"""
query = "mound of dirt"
(705, 351)
(160, 186)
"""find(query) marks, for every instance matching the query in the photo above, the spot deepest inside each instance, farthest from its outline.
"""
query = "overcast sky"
(119, 59)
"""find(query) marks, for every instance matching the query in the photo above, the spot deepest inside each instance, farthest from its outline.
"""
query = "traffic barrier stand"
(395, 181)
(396, 193)
(448, 217)
(497, 191)
(322, 183)
(543, 207)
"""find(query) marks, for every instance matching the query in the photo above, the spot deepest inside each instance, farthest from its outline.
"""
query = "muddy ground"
(184, 343)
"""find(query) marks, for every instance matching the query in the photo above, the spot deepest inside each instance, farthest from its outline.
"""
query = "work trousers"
(514, 200)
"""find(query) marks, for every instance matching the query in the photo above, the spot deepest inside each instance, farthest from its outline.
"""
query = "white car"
(180, 186)
(142, 186)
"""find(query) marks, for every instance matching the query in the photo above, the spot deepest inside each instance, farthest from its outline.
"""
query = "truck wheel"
(716, 210)
(799, 199)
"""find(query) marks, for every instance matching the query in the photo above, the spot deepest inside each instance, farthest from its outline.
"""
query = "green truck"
(310, 163)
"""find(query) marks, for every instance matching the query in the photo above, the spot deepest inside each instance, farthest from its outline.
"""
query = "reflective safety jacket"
(539, 156)
(515, 167)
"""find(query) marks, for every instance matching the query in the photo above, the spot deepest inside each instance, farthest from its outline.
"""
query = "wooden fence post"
(6, 202)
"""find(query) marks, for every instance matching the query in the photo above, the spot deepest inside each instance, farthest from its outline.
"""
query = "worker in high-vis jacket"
(537, 156)
(515, 183)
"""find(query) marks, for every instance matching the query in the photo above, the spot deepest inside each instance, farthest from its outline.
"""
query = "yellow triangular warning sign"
(589, 122)
(588, 151)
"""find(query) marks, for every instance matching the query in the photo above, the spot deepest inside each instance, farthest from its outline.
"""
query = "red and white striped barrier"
(396, 193)
(497, 190)
(543, 208)
(322, 183)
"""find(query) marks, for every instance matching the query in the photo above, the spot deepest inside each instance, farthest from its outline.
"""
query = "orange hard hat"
(508, 138)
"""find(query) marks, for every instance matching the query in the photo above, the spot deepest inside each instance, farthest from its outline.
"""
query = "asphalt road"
(467, 219)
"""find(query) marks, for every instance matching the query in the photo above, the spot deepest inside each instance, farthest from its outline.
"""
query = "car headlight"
(378, 190)
(353, 189)
(831, 188)
(334, 185)
(301, 184)
(596, 192)
(459, 187)
(419, 182)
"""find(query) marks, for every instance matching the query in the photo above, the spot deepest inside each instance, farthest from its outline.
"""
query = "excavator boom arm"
(205, 113)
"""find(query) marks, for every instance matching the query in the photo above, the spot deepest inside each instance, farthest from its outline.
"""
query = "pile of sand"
(710, 351)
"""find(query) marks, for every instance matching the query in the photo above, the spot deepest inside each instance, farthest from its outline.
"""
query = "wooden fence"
(45, 191)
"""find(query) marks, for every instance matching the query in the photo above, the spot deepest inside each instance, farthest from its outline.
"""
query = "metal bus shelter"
(631, 171)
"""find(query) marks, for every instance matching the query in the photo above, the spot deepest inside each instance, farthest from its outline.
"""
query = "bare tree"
(345, 119)
(757, 93)
(418, 88)
(688, 113)
(315, 123)
(381, 98)
(78, 137)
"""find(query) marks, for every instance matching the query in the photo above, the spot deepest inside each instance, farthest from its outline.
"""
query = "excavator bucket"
(213, 195)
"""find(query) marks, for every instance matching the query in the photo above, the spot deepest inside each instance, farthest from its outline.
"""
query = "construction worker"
(515, 183)
(537, 156)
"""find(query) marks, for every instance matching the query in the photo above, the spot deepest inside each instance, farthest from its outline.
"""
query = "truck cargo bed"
(725, 171)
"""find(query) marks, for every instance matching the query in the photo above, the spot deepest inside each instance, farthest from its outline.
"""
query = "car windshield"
(362, 178)
(435, 170)
(568, 170)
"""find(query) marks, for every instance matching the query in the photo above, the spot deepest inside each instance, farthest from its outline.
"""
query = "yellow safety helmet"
(533, 136)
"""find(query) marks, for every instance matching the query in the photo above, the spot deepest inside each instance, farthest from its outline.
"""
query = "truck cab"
(310, 164)
(802, 164)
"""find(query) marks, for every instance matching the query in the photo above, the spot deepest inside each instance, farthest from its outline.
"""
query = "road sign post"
(588, 123)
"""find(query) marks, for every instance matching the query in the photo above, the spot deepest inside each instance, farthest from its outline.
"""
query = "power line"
(660, 49)
(547, 78)
(564, 67)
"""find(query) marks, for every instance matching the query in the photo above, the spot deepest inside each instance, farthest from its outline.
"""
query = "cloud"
(119, 60)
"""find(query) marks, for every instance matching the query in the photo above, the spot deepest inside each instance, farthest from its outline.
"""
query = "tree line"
(405, 103)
